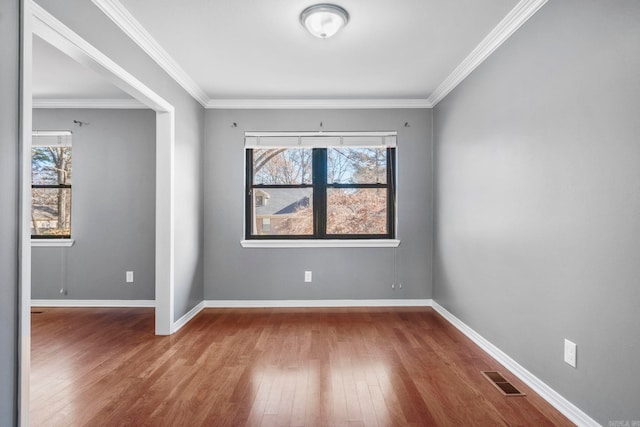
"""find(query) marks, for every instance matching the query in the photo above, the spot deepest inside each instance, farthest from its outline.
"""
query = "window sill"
(362, 243)
(51, 243)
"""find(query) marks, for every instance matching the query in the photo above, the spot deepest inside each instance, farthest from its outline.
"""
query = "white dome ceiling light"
(324, 20)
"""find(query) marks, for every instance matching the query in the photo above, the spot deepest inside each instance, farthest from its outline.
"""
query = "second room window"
(51, 185)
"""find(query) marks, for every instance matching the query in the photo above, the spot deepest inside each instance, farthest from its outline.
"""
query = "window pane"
(284, 211)
(356, 165)
(356, 211)
(51, 165)
(282, 166)
(51, 212)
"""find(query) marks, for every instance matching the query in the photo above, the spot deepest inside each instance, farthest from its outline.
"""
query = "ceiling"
(57, 76)
(247, 49)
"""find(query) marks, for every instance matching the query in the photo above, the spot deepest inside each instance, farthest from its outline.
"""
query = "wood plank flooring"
(267, 367)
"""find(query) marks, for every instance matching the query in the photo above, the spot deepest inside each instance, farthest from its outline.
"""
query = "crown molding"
(120, 104)
(301, 104)
(132, 27)
(524, 10)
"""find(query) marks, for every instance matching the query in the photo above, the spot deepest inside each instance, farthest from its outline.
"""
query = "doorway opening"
(37, 21)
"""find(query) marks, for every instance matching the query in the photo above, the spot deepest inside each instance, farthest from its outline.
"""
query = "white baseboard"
(187, 317)
(567, 408)
(318, 303)
(91, 303)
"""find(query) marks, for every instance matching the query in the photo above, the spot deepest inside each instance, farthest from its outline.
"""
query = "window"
(320, 186)
(51, 178)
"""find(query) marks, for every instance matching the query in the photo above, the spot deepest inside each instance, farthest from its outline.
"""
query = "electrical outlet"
(570, 352)
(129, 276)
(307, 276)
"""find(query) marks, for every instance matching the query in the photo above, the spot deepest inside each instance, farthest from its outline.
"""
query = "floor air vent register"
(505, 387)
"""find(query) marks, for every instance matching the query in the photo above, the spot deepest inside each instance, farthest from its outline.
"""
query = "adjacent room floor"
(268, 367)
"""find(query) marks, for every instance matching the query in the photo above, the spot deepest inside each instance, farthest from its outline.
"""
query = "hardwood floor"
(267, 367)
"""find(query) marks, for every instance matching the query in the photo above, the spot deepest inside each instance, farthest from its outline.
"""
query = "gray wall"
(113, 208)
(538, 201)
(233, 272)
(9, 161)
(90, 23)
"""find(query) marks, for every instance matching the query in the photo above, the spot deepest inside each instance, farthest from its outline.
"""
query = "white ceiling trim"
(524, 10)
(131, 27)
(120, 104)
(325, 104)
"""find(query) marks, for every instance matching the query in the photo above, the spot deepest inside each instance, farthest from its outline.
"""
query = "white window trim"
(321, 243)
(52, 243)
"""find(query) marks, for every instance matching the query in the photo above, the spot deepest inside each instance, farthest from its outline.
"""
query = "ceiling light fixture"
(324, 20)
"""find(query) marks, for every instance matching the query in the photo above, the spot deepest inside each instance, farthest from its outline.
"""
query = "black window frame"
(50, 236)
(50, 186)
(319, 188)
